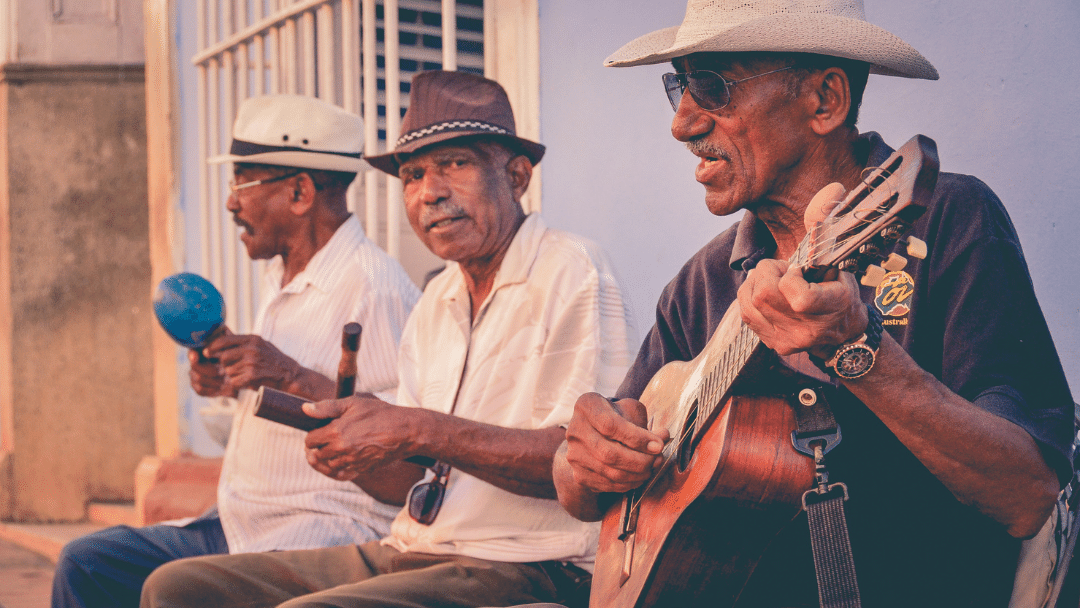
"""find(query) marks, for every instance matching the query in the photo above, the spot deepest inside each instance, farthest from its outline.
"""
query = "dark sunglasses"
(710, 90)
(426, 499)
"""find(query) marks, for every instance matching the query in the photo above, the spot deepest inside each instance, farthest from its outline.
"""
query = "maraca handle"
(214, 335)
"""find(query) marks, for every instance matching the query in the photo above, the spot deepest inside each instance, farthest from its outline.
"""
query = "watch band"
(874, 327)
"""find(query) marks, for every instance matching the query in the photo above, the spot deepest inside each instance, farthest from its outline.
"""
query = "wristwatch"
(855, 359)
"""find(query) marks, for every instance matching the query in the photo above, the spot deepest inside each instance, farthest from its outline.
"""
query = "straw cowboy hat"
(826, 27)
(448, 105)
(296, 131)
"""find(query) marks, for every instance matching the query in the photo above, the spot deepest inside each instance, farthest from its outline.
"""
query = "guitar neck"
(716, 386)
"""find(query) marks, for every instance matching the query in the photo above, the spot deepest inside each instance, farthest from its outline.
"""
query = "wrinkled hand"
(243, 362)
(206, 377)
(366, 434)
(608, 448)
(791, 315)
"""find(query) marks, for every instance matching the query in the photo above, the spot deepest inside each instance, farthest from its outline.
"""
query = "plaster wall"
(1004, 110)
(80, 316)
(72, 31)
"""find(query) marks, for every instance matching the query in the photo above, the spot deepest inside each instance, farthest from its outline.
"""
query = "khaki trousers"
(362, 576)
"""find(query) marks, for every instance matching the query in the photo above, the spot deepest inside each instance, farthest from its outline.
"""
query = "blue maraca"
(190, 309)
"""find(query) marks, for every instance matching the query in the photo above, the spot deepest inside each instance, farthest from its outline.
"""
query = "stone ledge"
(173, 488)
(20, 73)
(45, 539)
(113, 513)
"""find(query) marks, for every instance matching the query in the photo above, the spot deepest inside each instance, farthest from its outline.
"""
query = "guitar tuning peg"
(894, 262)
(916, 248)
(873, 276)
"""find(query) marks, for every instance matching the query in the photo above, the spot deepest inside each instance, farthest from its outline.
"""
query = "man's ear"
(832, 98)
(303, 195)
(520, 171)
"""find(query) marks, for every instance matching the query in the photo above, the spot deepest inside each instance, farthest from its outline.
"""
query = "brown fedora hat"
(448, 105)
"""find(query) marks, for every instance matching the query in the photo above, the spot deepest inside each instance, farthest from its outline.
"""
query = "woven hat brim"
(787, 33)
(390, 161)
(299, 159)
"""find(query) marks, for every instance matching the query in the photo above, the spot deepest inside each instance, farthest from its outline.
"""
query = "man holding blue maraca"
(293, 160)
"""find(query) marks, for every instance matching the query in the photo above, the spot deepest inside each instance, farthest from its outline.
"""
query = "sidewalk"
(25, 577)
(27, 555)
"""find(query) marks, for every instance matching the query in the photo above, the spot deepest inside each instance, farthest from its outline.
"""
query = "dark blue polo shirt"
(968, 315)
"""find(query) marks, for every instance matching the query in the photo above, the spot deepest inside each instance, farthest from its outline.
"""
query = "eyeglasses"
(710, 90)
(235, 187)
(425, 500)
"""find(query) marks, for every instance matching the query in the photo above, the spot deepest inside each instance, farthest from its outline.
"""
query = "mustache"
(434, 213)
(700, 147)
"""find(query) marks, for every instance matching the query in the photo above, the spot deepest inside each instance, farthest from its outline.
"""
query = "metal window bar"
(337, 50)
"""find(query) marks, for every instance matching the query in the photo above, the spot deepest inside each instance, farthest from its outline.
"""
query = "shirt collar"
(754, 242)
(323, 267)
(517, 262)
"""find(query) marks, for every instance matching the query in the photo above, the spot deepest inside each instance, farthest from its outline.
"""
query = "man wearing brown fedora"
(956, 418)
(293, 158)
(523, 320)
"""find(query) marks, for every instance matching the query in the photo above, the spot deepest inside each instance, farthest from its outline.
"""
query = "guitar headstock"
(858, 232)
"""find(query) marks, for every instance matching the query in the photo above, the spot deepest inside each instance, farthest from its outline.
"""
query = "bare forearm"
(308, 384)
(391, 483)
(984, 460)
(516, 460)
(575, 498)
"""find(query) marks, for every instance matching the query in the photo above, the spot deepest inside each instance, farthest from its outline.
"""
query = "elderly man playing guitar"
(955, 413)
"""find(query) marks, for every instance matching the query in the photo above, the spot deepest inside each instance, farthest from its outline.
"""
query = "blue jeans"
(108, 567)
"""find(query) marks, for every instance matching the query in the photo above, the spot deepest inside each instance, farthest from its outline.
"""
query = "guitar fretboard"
(716, 385)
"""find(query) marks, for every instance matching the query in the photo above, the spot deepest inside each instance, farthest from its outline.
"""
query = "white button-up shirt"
(554, 326)
(269, 498)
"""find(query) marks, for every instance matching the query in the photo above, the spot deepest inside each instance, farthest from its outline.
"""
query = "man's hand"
(367, 434)
(249, 361)
(607, 449)
(791, 315)
(607, 446)
(206, 377)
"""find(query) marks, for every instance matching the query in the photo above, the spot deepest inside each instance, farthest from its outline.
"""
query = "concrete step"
(45, 539)
(113, 513)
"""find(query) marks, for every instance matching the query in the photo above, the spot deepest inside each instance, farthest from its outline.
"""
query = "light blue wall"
(1004, 110)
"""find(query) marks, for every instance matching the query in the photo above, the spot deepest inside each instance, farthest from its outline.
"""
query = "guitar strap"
(816, 434)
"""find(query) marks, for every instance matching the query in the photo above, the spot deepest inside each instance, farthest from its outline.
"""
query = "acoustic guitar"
(731, 478)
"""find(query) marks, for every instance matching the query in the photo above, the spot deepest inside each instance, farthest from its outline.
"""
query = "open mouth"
(442, 223)
(706, 151)
(244, 226)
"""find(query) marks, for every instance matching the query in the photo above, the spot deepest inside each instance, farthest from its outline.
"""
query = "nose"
(434, 188)
(232, 203)
(690, 122)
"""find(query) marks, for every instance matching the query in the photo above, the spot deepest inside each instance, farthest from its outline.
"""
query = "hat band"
(247, 148)
(455, 125)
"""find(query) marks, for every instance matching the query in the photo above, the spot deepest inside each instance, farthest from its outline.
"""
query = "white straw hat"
(296, 131)
(826, 27)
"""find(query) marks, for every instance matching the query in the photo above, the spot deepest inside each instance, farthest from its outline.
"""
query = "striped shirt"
(554, 326)
(269, 498)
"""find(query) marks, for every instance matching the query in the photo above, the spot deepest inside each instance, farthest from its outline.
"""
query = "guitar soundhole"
(686, 439)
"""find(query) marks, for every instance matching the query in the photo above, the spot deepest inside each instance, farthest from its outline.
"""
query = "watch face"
(855, 361)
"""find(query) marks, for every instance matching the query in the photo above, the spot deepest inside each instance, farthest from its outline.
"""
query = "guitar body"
(712, 518)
